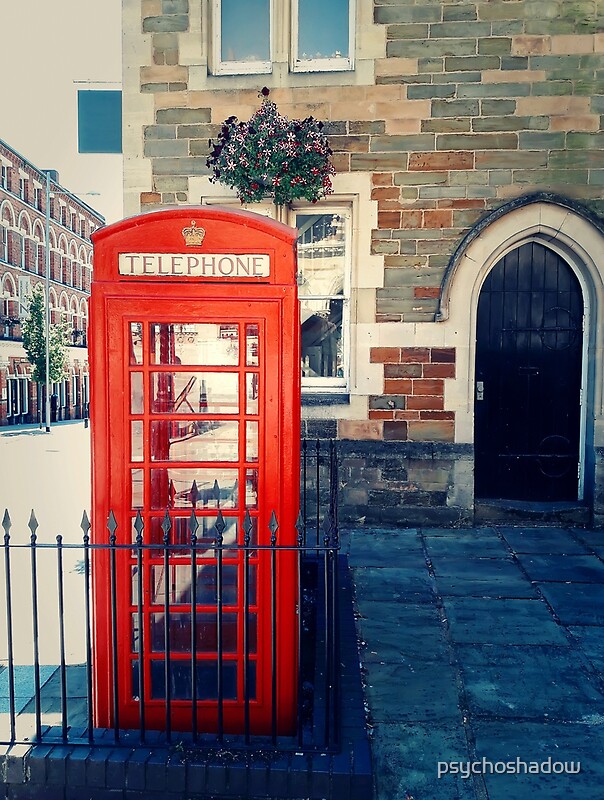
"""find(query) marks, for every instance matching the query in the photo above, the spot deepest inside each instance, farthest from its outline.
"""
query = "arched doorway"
(527, 407)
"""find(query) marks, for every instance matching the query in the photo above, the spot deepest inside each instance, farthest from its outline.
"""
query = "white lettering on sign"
(203, 265)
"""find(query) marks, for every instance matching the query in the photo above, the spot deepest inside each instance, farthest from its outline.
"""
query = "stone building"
(23, 243)
(452, 293)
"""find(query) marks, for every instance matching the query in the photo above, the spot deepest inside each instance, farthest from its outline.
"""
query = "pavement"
(483, 655)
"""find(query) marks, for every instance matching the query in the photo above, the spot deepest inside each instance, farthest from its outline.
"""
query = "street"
(49, 473)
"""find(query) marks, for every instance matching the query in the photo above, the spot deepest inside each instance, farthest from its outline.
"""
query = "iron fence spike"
(166, 526)
(6, 522)
(220, 526)
(300, 528)
(139, 527)
(193, 526)
(326, 528)
(33, 523)
(85, 523)
(273, 526)
(194, 494)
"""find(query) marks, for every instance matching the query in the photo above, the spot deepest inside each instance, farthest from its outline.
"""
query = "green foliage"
(34, 340)
(272, 156)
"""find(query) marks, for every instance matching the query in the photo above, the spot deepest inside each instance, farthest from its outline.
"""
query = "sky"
(49, 50)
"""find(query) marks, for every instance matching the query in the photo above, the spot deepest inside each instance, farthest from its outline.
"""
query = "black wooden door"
(529, 345)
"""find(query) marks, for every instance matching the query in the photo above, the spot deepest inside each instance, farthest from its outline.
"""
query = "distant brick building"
(452, 285)
(23, 243)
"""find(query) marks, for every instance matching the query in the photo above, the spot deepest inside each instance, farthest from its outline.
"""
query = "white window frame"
(17, 389)
(4, 244)
(345, 64)
(4, 177)
(221, 67)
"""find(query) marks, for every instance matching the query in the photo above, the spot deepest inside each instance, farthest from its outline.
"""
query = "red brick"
(386, 193)
(148, 198)
(426, 291)
(397, 386)
(436, 414)
(385, 355)
(425, 403)
(382, 179)
(395, 431)
(461, 203)
(405, 414)
(381, 415)
(430, 162)
(439, 370)
(414, 355)
(428, 386)
(389, 219)
(360, 429)
(442, 355)
(439, 218)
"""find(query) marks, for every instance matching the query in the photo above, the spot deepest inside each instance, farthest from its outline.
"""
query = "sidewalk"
(483, 643)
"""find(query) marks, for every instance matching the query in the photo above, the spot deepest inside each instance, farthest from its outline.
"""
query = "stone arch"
(575, 234)
(25, 223)
(7, 214)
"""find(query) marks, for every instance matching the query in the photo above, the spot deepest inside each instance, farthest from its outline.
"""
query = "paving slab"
(535, 682)
(562, 568)
(591, 643)
(404, 692)
(402, 632)
(522, 743)
(24, 685)
(380, 550)
(467, 544)
(412, 584)
(480, 577)
(501, 621)
(543, 540)
(406, 757)
(577, 603)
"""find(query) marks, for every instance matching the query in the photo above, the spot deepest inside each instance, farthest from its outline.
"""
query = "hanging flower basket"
(271, 156)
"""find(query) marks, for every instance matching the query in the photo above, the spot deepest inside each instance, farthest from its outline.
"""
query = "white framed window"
(4, 177)
(322, 35)
(242, 34)
(324, 277)
(3, 244)
(17, 396)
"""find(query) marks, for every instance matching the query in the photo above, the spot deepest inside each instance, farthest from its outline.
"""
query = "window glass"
(195, 343)
(324, 266)
(330, 38)
(245, 31)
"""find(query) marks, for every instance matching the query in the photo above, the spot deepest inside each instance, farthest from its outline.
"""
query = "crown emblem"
(193, 236)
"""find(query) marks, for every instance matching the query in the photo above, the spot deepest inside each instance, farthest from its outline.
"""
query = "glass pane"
(251, 488)
(207, 633)
(137, 477)
(136, 343)
(180, 680)
(327, 38)
(194, 440)
(136, 440)
(245, 26)
(136, 392)
(171, 488)
(251, 393)
(251, 441)
(180, 534)
(180, 584)
(251, 345)
(205, 344)
(322, 352)
(194, 393)
(321, 253)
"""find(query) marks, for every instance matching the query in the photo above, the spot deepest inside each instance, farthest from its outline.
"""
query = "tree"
(34, 340)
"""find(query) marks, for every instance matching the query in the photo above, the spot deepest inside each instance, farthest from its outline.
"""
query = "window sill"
(325, 399)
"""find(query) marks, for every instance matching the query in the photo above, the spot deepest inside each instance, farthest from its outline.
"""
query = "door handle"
(480, 390)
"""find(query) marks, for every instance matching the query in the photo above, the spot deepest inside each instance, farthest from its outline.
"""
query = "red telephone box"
(195, 410)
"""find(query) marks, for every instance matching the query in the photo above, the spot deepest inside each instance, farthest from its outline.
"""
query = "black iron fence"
(46, 647)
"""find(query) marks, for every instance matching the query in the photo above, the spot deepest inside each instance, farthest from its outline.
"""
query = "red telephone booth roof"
(225, 230)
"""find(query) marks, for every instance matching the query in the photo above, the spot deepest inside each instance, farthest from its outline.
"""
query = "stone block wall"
(454, 109)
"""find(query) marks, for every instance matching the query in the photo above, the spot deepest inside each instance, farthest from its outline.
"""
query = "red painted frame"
(272, 303)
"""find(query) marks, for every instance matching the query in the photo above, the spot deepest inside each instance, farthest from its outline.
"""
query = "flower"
(272, 156)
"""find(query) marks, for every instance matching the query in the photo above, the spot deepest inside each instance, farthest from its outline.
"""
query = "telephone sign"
(195, 412)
